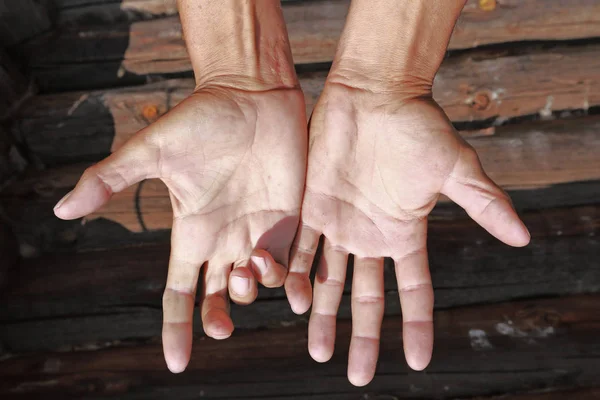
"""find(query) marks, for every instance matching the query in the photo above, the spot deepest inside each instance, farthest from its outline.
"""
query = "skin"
(233, 156)
(381, 152)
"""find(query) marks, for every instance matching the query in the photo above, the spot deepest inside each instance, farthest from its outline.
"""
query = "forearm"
(238, 43)
(390, 45)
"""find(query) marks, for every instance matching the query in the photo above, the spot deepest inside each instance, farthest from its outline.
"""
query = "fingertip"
(359, 380)
(90, 194)
(418, 363)
(362, 360)
(177, 346)
(521, 237)
(176, 366)
(217, 324)
(266, 270)
(58, 210)
(319, 353)
(418, 344)
(242, 286)
(299, 292)
(321, 337)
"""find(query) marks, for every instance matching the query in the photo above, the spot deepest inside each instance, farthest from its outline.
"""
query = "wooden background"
(80, 301)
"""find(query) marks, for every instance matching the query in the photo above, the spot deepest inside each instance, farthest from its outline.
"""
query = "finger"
(178, 309)
(216, 321)
(367, 316)
(469, 187)
(329, 287)
(242, 284)
(416, 299)
(132, 163)
(266, 270)
(297, 283)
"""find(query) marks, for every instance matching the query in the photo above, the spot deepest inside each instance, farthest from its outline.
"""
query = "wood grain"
(521, 156)
(544, 344)
(314, 26)
(9, 252)
(14, 86)
(583, 394)
(99, 46)
(486, 88)
(21, 20)
(77, 299)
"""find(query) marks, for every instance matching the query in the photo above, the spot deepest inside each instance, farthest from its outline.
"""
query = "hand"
(377, 165)
(234, 163)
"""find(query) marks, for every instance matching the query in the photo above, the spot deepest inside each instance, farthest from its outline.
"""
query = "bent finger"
(302, 254)
(242, 284)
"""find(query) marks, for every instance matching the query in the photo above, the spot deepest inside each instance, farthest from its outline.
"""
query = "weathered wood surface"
(510, 347)
(21, 20)
(64, 300)
(522, 156)
(9, 252)
(29, 203)
(156, 46)
(582, 394)
(12, 161)
(84, 126)
(14, 86)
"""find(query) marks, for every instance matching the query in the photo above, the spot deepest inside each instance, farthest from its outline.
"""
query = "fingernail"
(61, 201)
(260, 264)
(240, 285)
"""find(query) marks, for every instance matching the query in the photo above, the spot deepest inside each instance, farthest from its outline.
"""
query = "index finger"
(179, 296)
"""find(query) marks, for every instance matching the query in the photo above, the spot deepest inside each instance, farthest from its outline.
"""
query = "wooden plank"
(11, 160)
(9, 253)
(314, 27)
(29, 202)
(85, 126)
(74, 299)
(522, 156)
(21, 20)
(14, 86)
(544, 344)
(582, 394)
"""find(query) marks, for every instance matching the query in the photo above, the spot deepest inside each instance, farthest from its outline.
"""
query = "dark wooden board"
(23, 19)
(483, 88)
(583, 394)
(9, 253)
(14, 86)
(106, 45)
(314, 26)
(63, 300)
(534, 155)
(544, 344)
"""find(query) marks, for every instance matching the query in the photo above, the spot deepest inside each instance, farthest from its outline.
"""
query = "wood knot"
(481, 101)
(150, 112)
(530, 323)
(487, 5)
(534, 319)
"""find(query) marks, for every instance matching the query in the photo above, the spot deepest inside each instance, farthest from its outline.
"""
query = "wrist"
(240, 44)
(394, 46)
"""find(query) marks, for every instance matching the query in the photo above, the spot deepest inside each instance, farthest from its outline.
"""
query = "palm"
(234, 163)
(377, 165)
(234, 172)
(381, 177)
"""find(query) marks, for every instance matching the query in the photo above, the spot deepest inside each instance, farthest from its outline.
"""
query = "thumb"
(485, 202)
(135, 161)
